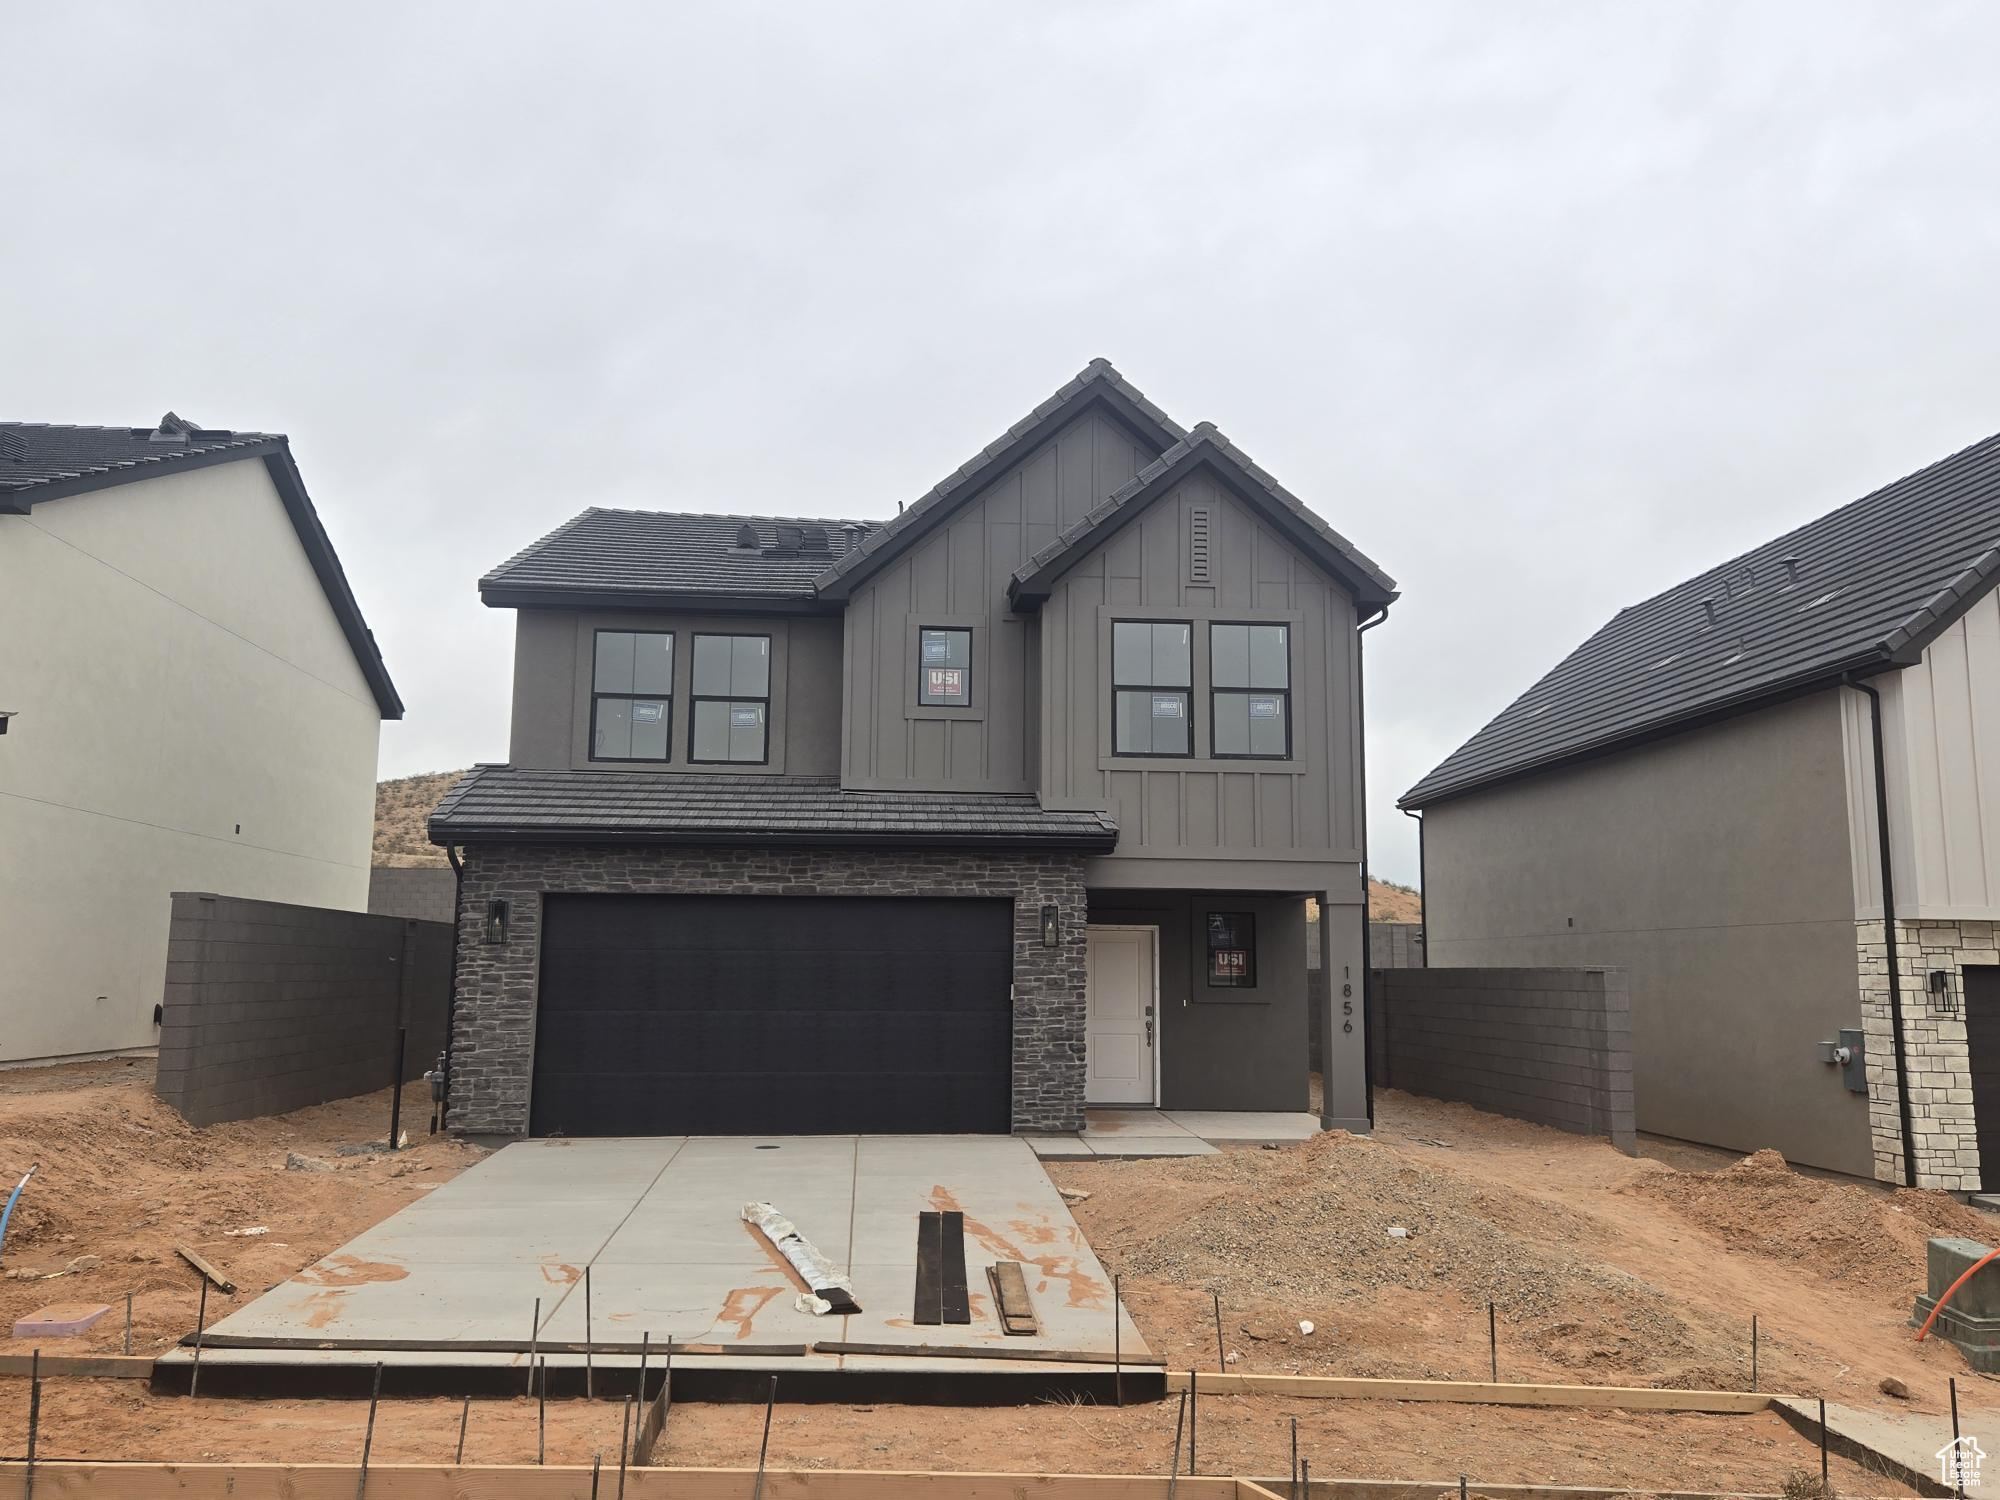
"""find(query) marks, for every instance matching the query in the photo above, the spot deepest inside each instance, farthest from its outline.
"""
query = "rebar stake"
(1493, 1342)
(1174, 1474)
(624, 1447)
(128, 1322)
(589, 1383)
(464, 1416)
(542, 1418)
(1194, 1411)
(1825, 1482)
(1221, 1358)
(1117, 1359)
(763, 1448)
(534, 1342)
(1295, 1460)
(200, 1330)
(34, 1419)
(368, 1437)
(1753, 1352)
(1957, 1467)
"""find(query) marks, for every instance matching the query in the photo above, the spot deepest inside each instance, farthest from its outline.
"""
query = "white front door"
(1119, 1033)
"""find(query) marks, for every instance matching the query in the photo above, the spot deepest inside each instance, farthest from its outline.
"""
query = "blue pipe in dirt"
(13, 1198)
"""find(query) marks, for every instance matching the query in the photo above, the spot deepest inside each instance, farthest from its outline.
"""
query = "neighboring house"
(191, 701)
(1693, 795)
(950, 824)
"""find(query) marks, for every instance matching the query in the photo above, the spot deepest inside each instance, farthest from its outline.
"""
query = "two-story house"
(190, 700)
(956, 823)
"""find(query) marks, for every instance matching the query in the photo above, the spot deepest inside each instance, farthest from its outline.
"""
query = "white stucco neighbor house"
(189, 700)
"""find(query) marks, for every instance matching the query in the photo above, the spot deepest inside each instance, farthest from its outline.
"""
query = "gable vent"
(13, 446)
(1201, 551)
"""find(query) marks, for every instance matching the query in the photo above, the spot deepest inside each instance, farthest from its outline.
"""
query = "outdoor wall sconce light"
(496, 919)
(1051, 928)
(1943, 989)
(5, 715)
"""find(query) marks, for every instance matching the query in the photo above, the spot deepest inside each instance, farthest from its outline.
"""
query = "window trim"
(1117, 687)
(673, 666)
(696, 699)
(1284, 692)
(971, 662)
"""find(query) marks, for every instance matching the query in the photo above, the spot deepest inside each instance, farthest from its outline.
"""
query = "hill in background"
(404, 805)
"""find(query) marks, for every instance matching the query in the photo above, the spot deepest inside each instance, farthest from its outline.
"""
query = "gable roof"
(41, 462)
(1097, 384)
(1205, 447)
(1858, 591)
(510, 805)
(608, 559)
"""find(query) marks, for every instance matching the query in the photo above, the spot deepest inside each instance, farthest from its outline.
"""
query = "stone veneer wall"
(494, 1028)
(1940, 1074)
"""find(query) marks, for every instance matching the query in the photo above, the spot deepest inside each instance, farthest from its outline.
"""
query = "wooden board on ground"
(1476, 1392)
(216, 1278)
(1011, 1300)
(81, 1366)
(149, 1481)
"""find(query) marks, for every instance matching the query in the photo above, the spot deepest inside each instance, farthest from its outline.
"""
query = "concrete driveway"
(658, 1224)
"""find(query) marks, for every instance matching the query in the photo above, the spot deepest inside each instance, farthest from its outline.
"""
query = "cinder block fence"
(1549, 1045)
(270, 1007)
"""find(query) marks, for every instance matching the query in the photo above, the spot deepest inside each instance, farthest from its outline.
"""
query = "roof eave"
(19, 501)
(1145, 424)
(1031, 586)
(1867, 664)
(532, 596)
(442, 833)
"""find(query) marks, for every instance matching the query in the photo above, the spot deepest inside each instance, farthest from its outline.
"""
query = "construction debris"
(63, 1320)
(1011, 1300)
(215, 1278)
(831, 1290)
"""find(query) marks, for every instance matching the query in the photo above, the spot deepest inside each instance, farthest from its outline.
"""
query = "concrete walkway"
(658, 1224)
(1901, 1445)
(1135, 1133)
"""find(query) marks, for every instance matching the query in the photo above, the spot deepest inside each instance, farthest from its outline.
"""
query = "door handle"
(1149, 1026)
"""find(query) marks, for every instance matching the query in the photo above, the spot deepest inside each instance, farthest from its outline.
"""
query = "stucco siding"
(190, 716)
(1714, 868)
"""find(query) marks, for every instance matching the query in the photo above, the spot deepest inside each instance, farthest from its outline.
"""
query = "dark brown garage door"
(769, 1015)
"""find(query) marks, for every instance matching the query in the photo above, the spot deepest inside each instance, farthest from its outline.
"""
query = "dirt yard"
(1603, 1269)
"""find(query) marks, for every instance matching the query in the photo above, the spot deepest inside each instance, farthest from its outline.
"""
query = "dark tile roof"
(1875, 581)
(40, 462)
(38, 455)
(1096, 381)
(503, 804)
(1031, 582)
(641, 556)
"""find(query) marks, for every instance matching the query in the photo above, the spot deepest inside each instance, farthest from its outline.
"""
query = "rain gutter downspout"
(1361, 774)
(1889, 931)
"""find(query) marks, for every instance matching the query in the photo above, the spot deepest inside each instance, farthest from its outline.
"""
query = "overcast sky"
(1546, 306)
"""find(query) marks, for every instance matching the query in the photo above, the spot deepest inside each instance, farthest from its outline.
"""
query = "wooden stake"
(589, 1385)
(764, 1448)
(1174, 1474)
(464, 1417)
(1221, 1359)
(368, 1438)
(534, 1339)
(200, 1330)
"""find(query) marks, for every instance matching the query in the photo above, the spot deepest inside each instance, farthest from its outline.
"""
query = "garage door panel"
(766, 1015)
